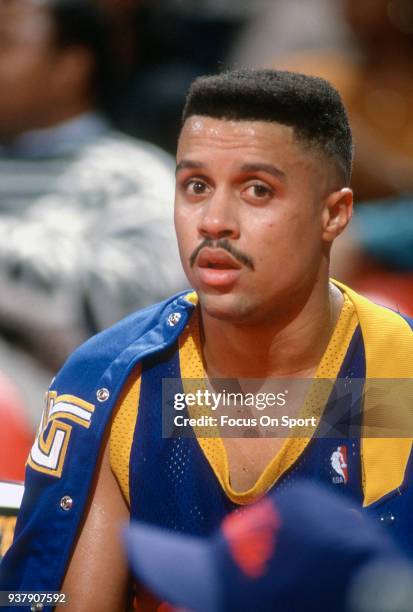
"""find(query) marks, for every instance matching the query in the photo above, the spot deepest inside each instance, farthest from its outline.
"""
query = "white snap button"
(174, 318)
(102, 394)
(66, 503)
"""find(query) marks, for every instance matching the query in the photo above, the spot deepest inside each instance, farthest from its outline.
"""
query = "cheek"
(186, 220)
(19, 66)
(284, 245)
(23, 81)
(184, 235)
(181, 224)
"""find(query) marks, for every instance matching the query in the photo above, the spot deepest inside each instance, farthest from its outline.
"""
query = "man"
(83, 209)
(262, 191)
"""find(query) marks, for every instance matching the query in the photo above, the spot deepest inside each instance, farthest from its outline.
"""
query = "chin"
(226, 307)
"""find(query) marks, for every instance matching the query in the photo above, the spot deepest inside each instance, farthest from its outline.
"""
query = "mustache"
(225, 244)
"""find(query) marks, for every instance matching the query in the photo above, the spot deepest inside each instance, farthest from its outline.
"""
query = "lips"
(217, 259)
(217, 268)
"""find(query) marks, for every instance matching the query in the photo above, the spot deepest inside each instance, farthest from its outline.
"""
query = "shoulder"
(81, 399)
(134, 146)
(109, 356)
(86, 391)
(124, 153)
(122, 168)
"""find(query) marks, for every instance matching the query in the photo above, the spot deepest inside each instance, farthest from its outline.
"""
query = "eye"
(196, 187)
(259, 191)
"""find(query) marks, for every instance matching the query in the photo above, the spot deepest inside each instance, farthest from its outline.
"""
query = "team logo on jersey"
(50, 446)
(338, 461)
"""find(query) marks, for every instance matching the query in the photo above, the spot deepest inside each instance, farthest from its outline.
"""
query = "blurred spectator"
(86, 231)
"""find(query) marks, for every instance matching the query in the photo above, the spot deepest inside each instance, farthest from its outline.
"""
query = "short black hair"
(85, 24)
(311, 105)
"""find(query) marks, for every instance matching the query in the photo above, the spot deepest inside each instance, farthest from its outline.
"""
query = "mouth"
(217, 259)
(217, 268)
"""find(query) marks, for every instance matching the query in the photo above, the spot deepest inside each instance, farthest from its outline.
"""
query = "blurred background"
(90, 100)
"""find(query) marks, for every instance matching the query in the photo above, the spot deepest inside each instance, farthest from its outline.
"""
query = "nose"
(219, 218)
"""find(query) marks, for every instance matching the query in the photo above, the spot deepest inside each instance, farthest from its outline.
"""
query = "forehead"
(24, 21)
(206, 137)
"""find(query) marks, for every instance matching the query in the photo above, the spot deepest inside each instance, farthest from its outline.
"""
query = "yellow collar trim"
(213, 447)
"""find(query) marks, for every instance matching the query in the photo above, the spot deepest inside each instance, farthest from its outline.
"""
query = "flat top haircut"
(310, 105)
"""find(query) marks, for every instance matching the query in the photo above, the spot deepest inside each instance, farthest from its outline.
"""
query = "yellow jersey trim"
(122, 431)
(386, 335)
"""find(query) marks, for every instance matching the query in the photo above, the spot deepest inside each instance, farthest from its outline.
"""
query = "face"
(27, 65)
(250, 216)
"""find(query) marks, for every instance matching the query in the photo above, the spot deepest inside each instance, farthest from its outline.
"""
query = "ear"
(337, 212)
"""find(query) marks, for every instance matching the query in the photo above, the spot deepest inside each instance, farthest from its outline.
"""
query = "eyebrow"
(258, 167)
(269, 168)
(187, 163)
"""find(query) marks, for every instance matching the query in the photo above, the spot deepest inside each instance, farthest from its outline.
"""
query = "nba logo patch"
(338, 461)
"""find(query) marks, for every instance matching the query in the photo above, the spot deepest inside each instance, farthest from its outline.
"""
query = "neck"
(70, 111)
(54, 117)
(284, 346)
